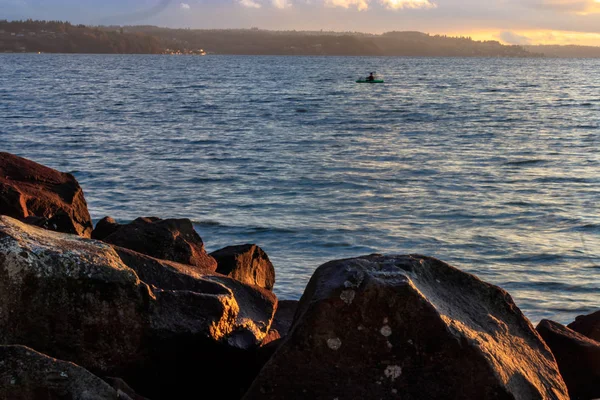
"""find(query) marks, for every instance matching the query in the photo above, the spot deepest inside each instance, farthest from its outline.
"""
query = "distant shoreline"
(63, 37)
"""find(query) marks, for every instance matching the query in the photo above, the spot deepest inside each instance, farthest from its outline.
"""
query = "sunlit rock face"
(42, 196)
(407, 327)
(587, 325)
(76, 300)
(26, 374)
(166, 239)
(256, 305)
(577, 356)
(247, 263)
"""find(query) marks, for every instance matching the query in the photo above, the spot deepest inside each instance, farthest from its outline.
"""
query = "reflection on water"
(489, 164)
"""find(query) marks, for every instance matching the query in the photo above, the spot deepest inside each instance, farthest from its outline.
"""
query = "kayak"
(366, 81)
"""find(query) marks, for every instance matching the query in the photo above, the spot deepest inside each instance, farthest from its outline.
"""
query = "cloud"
(514, 38)
(184, 6)
(281, 3)
(389, 4)
(250, 3)
(399, 4)
(359, 4)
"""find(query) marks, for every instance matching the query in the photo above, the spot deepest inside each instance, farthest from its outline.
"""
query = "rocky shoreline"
(142, 311)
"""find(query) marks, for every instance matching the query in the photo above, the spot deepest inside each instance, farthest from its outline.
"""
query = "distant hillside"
(566, 51)
(255, 41)
(63, 37)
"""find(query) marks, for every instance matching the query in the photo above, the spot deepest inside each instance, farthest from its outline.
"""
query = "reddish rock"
(26, 374)
(407, 327)
(169, 239)
(587, 325)
(43, 196)
(578, 359)
(105, 227)
(76, 300)
(247, 263)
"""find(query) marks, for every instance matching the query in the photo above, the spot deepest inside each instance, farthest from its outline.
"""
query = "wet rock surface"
(42, 196)
(407, 327)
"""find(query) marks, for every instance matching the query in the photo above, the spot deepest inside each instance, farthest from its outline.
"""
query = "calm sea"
(492, 165)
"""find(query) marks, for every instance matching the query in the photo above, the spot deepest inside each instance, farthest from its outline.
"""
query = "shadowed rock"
(75, 299)
(122, 387)
(105, 227)
(169, 239)
(247, 263)
(407, 327)
(587, 325)
(284, 316)
(42, 196)
(26, 374)
(282, 321)
(577, 356)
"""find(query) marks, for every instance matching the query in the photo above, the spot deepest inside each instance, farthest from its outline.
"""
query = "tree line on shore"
(64, 37)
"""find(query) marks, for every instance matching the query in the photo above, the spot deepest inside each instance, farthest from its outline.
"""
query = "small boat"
(366, 81)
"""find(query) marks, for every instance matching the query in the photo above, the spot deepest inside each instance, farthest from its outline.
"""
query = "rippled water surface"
(492, 165)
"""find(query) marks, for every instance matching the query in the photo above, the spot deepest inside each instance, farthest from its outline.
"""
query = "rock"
(282, 321)
(26, 374)
(247, 263)
(75, 299)
(407, 327)
(284, 317)
(587, 325)
(105, 227)
(122, 387)
(256, 305)
(578, 358)
(169, 239)
(48, 198)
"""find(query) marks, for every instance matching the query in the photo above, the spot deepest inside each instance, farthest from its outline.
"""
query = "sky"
(509, 21)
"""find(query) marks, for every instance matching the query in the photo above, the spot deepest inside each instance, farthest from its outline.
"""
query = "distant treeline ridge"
(64, 37)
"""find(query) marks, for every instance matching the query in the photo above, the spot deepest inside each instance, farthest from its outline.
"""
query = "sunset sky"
(510, 21)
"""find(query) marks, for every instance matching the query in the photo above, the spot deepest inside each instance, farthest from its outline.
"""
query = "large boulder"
(577, 356)
(247, 263)
(76, 300)
(587, 325)
(407, 327)
(168, 239)
(257, 305)
(26, 374)
(42, 196)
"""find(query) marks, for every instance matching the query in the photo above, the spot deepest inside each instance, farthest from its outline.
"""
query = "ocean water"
(492, 165)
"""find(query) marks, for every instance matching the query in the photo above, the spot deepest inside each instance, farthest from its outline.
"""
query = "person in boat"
(371, 77)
